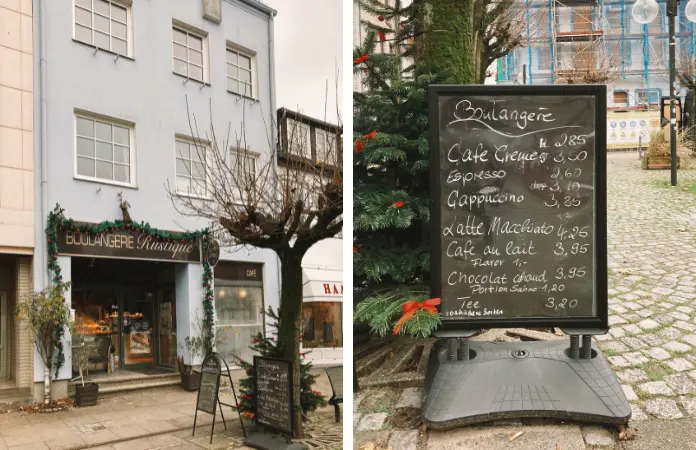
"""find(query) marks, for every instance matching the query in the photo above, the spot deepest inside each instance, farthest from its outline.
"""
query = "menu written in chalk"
(515, 186)
(274, 404)
(210, 382)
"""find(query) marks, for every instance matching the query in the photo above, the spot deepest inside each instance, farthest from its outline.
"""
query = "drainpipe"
(41, 35)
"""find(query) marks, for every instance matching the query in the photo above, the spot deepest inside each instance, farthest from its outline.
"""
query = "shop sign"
(128, 244)
(333, 288)
(233, 271)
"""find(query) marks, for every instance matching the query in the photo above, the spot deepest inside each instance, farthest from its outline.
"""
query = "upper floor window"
(326, 146)
(191, 173)
(189, 53)
(104, 24)
(648, 96)
(243, 167)
(299, 142)
(104, 150)
(240, 72)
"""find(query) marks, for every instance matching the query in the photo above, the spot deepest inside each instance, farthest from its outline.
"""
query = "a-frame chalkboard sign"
(208, 399)
(518, 217)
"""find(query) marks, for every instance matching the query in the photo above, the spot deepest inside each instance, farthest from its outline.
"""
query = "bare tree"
(280, 198)
(686, 75)
(590, 62)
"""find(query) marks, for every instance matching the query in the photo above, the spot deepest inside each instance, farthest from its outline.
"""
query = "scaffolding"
(558, 49)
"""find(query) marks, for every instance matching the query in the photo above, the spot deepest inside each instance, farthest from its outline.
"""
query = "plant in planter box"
(659, 155)
(49, 317)
(86, 393)
(189, 378)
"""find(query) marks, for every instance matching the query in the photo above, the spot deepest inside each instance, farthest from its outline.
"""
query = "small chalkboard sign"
(210, 384)
(273, 388)
(518, 205)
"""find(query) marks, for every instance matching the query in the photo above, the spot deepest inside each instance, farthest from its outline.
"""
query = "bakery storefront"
(322, 306)
(126, 286)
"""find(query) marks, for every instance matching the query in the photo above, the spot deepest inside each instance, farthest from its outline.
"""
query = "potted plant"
(86, 394)
(190, 379)
(658, 155)
(49, 318)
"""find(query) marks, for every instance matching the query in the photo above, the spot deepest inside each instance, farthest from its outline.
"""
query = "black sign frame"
(219, 361)
(599, 92)
(290, 431)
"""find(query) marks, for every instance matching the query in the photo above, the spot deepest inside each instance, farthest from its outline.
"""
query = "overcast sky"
(308, 47)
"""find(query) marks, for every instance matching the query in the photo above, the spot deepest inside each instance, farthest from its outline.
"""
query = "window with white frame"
(326, 145)
(299, 140)
(648, 96)
(191, 173)
(189, 54)
(243, 167)
(240, 72)
(103, 150)
(102, 23)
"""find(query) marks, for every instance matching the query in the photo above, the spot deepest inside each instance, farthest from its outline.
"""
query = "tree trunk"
(448, 40)
(290, 320)
(47, 385)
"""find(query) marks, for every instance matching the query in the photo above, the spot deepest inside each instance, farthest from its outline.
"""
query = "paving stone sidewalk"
(142, 419)
(652, 313)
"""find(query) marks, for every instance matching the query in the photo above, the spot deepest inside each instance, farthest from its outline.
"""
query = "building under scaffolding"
(573, 42)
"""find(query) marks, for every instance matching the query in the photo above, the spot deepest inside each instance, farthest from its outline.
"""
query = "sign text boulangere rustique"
(127, 244)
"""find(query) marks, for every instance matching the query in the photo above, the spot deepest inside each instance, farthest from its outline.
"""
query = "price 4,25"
(561, 303)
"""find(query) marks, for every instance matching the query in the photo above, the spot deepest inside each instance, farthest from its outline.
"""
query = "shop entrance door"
(137, 327)
(166, 326)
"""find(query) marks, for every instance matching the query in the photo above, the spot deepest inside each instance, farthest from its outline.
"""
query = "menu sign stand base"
(263, 441)
(547, 379)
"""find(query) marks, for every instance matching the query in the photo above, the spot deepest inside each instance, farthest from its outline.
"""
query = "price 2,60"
(561, 303)
(557, 173)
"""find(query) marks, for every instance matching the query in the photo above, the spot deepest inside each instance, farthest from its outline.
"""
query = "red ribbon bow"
(410, 309)
(361, 59)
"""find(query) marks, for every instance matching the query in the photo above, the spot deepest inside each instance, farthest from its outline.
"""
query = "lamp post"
(643, 12)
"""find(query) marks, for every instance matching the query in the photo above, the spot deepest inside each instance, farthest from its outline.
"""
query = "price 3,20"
(561, 303)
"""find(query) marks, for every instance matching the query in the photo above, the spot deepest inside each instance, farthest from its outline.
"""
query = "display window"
(322, 324)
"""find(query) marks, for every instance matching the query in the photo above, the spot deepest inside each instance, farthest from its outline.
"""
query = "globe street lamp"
(643, 12)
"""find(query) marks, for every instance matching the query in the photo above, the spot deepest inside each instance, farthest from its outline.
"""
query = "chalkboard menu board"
(518, 205)
(210, 383)
(274, 402)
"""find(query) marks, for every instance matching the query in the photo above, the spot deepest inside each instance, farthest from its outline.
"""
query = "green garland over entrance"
(58, 222)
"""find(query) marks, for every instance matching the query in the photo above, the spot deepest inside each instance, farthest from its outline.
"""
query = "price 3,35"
(561, 303)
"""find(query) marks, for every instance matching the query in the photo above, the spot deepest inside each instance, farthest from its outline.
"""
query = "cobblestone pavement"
(652, 314)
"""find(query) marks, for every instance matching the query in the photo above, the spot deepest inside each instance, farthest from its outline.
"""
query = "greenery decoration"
(58, 222)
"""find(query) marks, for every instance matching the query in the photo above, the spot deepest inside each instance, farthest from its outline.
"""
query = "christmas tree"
(268, 346)
(391, 259)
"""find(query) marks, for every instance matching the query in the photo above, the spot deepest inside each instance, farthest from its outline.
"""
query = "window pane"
(105, 151)
(101, 7)
(247, 90)
(183, 167)
(235, 341)
(179, 36)
(83, 34)
(183, 184)
(121, 154)
(233, 160)
(251, 165)
(101, 23)
(101, 40)
(238, 305)
(85, 127)
(118, 29)
(118, 13)
(105, 170)
(244, 75)
(84, 3)
(232, 85)
(121, 135)
(119, 46)
(121, 173)
(85, 167)
(183, 150)
(199, 170)
(180, 66)
(197, 153)
(83, 16)
(244, 62)
(85, 147)
(104, 131)
(196, 72)
(196, 57)
(179, 51)
(231, 57)
(232, 71)
(195, 42)
(321, 325)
